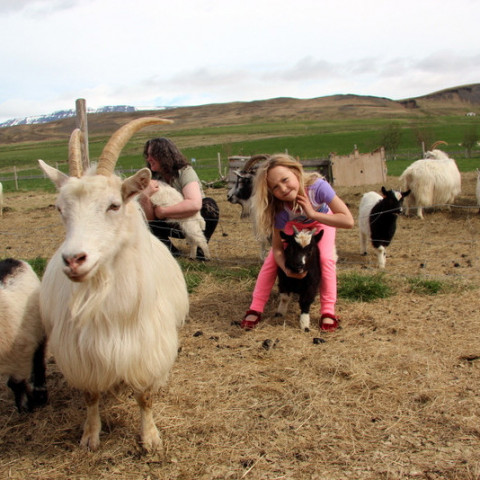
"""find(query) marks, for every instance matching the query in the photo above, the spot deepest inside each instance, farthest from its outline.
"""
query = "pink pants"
(328, 284)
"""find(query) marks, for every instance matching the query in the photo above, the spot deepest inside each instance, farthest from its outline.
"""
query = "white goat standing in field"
(22, 336)
(193, 227)
(112, 296)
(433, 181)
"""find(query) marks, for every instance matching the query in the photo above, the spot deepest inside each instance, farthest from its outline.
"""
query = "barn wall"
(359, 169)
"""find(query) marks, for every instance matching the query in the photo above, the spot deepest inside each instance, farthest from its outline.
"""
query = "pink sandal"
(251, 324)
(329, 327)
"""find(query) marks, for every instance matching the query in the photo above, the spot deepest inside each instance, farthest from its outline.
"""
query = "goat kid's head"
(393, 200)
(300, 248)
(242, 189)
(97, 208)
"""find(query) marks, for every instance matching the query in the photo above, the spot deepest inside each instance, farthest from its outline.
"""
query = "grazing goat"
(22, 336)
(192, 227)
(377, 220)
(241, 192)
(433, 181)
(301, 255)
(112, 296)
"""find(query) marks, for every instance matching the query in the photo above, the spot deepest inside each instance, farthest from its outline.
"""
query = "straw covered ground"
(393, 394)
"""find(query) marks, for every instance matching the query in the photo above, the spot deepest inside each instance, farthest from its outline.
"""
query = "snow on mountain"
(61, 114)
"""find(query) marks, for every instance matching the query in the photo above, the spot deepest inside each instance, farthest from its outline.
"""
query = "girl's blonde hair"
(264, 205)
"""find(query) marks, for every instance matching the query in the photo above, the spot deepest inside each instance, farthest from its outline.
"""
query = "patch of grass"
(195, 272)
(422, 286)
(38, 264)
(193, 280)
(363, 288)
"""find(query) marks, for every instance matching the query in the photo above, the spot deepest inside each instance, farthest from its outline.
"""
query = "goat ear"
(57, 177)
(318, 236)
(136, 183)
(384, 191)
(406, 194)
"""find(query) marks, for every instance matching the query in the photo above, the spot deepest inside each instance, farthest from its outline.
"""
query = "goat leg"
(283, 304)
(92, 426)
(39, 395)
(305, 301)
(149, 435)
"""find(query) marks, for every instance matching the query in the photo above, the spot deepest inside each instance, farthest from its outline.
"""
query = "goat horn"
(253, 160)
(436, 144)
(75, 154)
(110, 153)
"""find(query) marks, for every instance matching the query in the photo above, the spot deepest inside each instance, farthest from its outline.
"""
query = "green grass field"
(302, 139)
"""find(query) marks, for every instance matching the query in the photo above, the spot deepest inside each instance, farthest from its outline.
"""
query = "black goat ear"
(318, 236)
(406, 194)
(283, 235)
(384, 191)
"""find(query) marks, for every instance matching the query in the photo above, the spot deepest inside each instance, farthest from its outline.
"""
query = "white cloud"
(152, 52)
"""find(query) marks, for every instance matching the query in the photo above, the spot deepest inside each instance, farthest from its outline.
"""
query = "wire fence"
(444, 246)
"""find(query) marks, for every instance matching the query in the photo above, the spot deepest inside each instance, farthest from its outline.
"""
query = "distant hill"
(452, 101)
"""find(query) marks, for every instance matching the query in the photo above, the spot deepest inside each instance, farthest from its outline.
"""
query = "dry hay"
(393, 394)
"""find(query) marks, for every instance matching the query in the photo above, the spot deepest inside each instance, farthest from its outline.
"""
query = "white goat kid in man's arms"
(192, 227)
(112, 297)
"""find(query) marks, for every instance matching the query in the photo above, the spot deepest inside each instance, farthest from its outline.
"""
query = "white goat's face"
(93, 212)
(98, 214)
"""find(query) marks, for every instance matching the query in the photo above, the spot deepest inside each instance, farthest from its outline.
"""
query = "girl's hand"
(306, 205)
(291, 274)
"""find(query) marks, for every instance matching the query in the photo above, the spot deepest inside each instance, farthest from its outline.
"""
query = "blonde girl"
(284, 196)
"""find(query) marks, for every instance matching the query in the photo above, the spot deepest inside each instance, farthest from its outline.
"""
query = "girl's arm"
(339, 218)
(190, 205)
(277, 249)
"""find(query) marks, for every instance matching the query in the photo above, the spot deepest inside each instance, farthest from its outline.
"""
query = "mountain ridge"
(451, 101)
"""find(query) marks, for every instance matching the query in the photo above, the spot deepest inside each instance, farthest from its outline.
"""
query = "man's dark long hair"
(171, 159)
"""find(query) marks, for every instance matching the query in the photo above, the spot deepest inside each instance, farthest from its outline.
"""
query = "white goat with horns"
(112, 296)
(433, 181)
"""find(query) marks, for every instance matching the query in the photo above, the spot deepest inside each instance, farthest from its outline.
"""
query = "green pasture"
(302, 139)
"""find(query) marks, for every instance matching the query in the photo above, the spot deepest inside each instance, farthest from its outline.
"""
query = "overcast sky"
(192, 52)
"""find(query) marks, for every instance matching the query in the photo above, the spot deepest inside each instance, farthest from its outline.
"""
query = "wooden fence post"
(81, 110)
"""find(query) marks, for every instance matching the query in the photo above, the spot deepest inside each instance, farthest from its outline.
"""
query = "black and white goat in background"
(377, 220)
(301, 255)
(241, 191)
(22, 336)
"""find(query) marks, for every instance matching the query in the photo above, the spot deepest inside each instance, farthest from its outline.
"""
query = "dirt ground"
(393, 394)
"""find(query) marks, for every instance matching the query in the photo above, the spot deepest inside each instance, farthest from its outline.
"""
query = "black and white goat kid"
(301, 255)
(377, 220)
